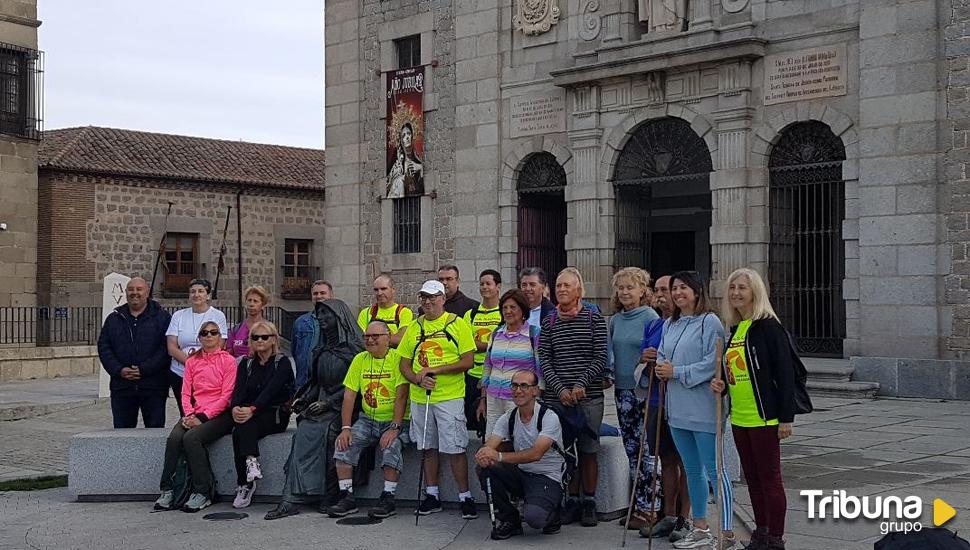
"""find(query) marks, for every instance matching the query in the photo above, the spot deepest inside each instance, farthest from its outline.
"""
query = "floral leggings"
(629, 411)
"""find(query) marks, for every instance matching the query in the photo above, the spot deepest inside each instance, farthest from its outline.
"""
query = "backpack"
(182, 483)
(573, 423)
(397, 314)
(929, 538)
(803, 401)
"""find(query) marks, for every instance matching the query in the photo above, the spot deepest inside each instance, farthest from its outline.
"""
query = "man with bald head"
(133, 349)
(385, 308)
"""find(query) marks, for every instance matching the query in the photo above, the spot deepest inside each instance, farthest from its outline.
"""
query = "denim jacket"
(306, 334)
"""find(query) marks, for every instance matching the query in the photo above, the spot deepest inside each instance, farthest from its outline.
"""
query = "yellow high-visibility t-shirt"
(744, 407)
(439, 350)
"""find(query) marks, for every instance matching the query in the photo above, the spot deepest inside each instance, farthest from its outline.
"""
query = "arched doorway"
(806, 255)
(542, 213)
(663, 199)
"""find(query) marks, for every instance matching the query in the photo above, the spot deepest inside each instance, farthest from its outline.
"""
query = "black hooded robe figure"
(310, 470)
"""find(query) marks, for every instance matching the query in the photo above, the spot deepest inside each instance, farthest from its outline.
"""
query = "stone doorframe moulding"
(508, 196)
(767, 135)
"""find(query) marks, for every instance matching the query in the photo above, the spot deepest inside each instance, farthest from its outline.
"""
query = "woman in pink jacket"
(210, 376)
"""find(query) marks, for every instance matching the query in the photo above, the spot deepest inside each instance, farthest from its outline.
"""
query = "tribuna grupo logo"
(895, 514)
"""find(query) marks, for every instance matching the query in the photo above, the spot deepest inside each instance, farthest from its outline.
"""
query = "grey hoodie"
(688, 343)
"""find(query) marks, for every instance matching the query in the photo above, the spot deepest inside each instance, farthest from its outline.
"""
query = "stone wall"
(18, 178)
(104, 224)
(53, 362)
(956, 163)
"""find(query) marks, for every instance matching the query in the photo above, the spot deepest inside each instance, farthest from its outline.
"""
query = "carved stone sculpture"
(663, 15)
(536, 16)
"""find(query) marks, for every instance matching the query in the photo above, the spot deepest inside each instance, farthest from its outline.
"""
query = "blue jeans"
(698, 452)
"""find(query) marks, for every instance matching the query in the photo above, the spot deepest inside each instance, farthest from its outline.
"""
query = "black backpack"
(573, 423)
(927, 539)
(803, 401)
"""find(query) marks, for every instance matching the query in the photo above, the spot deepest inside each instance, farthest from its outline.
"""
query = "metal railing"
(64, 326)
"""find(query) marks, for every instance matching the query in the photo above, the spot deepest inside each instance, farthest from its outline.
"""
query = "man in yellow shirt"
(482, 319)
(386, 309)
(436, 351)
(374, 374)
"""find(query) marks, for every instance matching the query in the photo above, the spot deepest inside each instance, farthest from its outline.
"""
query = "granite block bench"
(118, 465)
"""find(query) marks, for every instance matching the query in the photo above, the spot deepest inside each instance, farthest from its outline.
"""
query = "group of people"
(511, 367)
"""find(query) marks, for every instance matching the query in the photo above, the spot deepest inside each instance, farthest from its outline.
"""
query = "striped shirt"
(509, 352)
(572, 353)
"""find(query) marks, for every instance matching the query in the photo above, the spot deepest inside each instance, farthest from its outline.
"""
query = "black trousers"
(472, 393)
(175, 381)
(125, 407)
(246, 436)
(541, 493)
(193, 442)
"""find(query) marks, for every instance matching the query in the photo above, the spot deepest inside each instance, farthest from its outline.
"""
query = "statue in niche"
(536, 16)
(663, 15)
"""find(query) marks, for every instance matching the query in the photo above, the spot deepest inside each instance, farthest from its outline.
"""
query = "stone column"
(701, 15)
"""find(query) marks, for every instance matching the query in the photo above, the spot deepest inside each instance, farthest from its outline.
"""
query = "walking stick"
(636, 472)
(656, 452)
(424, 446)
(719, 444)
(488, 489)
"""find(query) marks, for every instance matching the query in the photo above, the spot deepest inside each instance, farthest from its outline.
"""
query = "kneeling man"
(376, 375)
(532, 471)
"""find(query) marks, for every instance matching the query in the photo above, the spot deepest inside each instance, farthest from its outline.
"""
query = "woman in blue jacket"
(686, 359)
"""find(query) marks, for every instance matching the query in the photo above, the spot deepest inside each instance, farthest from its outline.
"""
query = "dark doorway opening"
(807, 255)
(663, 199)
(542, 214)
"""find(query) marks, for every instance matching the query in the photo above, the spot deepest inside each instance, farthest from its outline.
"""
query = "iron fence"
(64, 326)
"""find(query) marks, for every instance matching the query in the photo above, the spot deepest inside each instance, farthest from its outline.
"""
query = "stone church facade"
(820, 142)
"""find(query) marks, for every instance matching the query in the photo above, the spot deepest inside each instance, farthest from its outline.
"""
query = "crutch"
(636, 472)
(719, 444)
(424, 448)
(661, 396)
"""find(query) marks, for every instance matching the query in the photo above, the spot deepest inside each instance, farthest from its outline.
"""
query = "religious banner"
(405, 132)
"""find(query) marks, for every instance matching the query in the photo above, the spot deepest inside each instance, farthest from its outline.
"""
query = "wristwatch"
(394, 426)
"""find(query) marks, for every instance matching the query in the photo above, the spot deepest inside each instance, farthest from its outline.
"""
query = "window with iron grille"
(407, 225)
(21, 71)
(181, 262)
(296, 268)
(408, 52)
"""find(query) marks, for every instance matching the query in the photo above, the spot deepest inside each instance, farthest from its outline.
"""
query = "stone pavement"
(880, 447)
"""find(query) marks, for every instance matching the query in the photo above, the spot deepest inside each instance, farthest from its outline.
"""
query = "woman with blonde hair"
(264, 383)
(256, 301)
(631, 300)
(760, 376)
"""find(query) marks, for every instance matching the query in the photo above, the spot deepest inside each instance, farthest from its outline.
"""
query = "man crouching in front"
(532, 471)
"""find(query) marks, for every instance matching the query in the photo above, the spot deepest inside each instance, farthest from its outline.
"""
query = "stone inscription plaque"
(537, 114)
(805, 74)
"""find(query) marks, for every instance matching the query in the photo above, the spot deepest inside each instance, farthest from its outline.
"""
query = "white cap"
(432, 287)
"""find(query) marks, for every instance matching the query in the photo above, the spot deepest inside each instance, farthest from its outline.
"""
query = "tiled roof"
(132, 153)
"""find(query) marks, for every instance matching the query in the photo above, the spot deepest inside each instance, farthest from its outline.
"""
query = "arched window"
(807, 255)
(542, 213)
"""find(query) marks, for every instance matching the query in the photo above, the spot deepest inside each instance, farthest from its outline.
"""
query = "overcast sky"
(232, 69)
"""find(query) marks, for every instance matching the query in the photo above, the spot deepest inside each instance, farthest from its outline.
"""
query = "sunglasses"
(375, 336)
(523, 387)
(256, 337)
(204, 333)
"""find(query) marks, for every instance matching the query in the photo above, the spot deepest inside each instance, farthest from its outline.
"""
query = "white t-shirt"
(551, 463)
(535, 316)
(186, 325)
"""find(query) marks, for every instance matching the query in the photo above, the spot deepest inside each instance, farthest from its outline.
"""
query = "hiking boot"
(345, 505)
(774, 543)
(505, 529)
(681, 529)
(252, 469)
(468, 509)
(384, 508)
(244, 495)
(697, 538)
(282, 510)
(553, 528)
(661, 529)
(759, 540)
(429, 505)
(587, 517)
(165, 501)
(570, 512)
(196, 502)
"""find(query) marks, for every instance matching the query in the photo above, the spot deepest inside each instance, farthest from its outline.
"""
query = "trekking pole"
(656, 452)
(424, 445)
(488, 489)
(719, 444)
(636, 472)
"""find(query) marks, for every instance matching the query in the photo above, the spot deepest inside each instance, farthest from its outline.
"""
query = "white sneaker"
(697, 538)
(164, 502)
(196, 503)
(252, 469)
(244, 495)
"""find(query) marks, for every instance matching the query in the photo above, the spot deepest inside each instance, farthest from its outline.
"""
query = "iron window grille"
(407, 225)
(21, 91)
(408, 52)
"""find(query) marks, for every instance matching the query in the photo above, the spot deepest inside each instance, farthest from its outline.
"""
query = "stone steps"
(833, 378)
